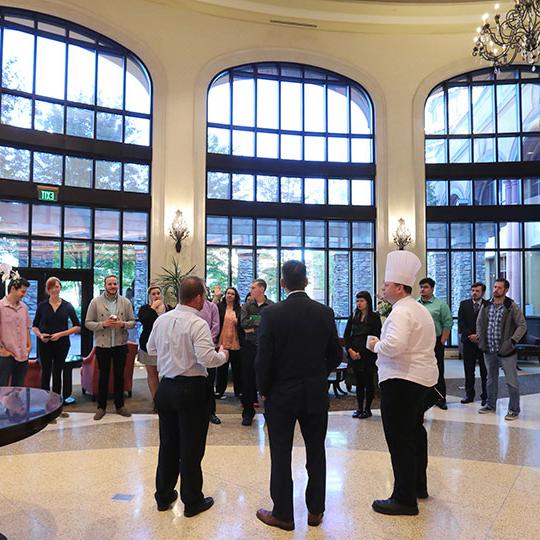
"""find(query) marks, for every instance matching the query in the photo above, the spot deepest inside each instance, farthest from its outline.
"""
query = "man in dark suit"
(467, 315)
(298, 347)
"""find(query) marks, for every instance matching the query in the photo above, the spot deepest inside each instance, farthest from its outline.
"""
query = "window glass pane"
(462, 278)
(338, 149)
(531, 148)
(242, 271)
(17, 60)
(46, 220)
(242, 232)
(267, 104)
(243, 143)
(13, 218)
(77, 222)
(291, 190)
(77, 254)
(267, 232)
(108, 175)
(484, 150)
(510, 235)
(460, 193)
(218, 185)
(50, 67)
(109, 127)
(107, 225)
(138, 89)
(436, 151)
(267, 145)
(314, 107)
(217, 267)
(486, 235)
(338, 191)
(135, 225)
(219, 141)
(243, 188)
(80, 122)
(460, 235)
(510, 269)
(532, 291)
(78, 172)
(49, 117)
(530, 103)
(510, 191)
(267, 188)
(485, 192)
(314, 148)
(16, 111)
(106, 262)
(14, 251)
(219, 101)
(437, 193)
(362, 234)
(217, 230)
(458, 111)
(483, 109)
(507, 108)
(136, 178)
(437, 236)
(338, 234)
(361, 151)
(437, 269)
(508, 149)
(338, 281)
(460, 150)
(137, 131)
(291, 105)
(316, 274)
(531, 188)
(486, 268)
(314, 190)
(338, 109)
(81, 74)
(47, 168)
(291, 233)
(110, 81)
(45, 254)
(361, 114)
(243, 102)
(267, 269)
(14, 163)
(135, 274)
(291, 147)
(315, 232)
(362, 192)
(532, 234)
(435, 113)
(363, 272)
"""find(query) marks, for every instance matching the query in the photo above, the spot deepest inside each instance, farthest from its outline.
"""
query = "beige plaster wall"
(184, 49)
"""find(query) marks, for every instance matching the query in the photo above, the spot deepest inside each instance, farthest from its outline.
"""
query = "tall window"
(75, 114)
(290, 174)
(482, 154)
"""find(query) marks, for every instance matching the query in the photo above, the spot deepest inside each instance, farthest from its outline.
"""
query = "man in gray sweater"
(500, 325)
(109, 317)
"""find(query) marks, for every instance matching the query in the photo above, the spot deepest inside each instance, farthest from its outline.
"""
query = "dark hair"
(260, 282)
(247, 296)
(294, 275)
(427, 280)
(236, 297)
(367, 297)
(504, 281)
(190, 288)
(109, 277)
(17, 284)
(478, 284)
(407, 289)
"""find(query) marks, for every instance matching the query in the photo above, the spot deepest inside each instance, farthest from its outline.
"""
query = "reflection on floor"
(79, 479)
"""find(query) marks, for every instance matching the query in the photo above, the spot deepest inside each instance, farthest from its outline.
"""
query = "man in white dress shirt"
(407, 369)
(184, 348)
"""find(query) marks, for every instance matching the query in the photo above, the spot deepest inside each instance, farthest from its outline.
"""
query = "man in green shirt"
(442, 317)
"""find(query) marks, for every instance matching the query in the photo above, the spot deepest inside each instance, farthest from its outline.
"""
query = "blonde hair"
(49, 283)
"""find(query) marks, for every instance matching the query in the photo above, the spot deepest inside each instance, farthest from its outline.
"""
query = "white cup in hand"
(371, 341)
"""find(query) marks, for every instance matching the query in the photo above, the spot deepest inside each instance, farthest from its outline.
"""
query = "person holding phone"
(51, 326)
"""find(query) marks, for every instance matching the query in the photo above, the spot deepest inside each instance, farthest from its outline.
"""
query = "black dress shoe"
(483, 402)
(247, 420)
(214, 419)
(204, 505)
(167, 505)
(422, 494)
(392, 507)
(366, 414)
(442, 405)
(357, 413)
(467, 400)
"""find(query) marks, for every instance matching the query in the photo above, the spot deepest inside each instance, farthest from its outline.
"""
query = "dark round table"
(25, 411)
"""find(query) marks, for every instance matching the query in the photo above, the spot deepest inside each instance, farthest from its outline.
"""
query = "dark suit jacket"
(298, 347)
(467, 321)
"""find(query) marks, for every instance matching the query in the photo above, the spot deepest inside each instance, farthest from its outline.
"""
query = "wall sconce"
(402, 236)
(178, 230)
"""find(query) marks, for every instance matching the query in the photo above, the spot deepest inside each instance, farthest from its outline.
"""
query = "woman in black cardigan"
(362, 323)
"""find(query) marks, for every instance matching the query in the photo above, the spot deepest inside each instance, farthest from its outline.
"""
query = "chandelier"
(517, 34)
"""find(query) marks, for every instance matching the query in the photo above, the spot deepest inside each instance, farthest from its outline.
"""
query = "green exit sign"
(47, 194)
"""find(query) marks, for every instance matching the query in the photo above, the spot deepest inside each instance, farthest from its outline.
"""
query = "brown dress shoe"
(314, 520)
(268, 519)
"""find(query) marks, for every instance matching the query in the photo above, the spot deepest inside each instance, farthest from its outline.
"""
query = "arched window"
(290, 174)
(482, 153)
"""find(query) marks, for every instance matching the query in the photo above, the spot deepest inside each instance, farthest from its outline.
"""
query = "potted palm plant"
(170, 281)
